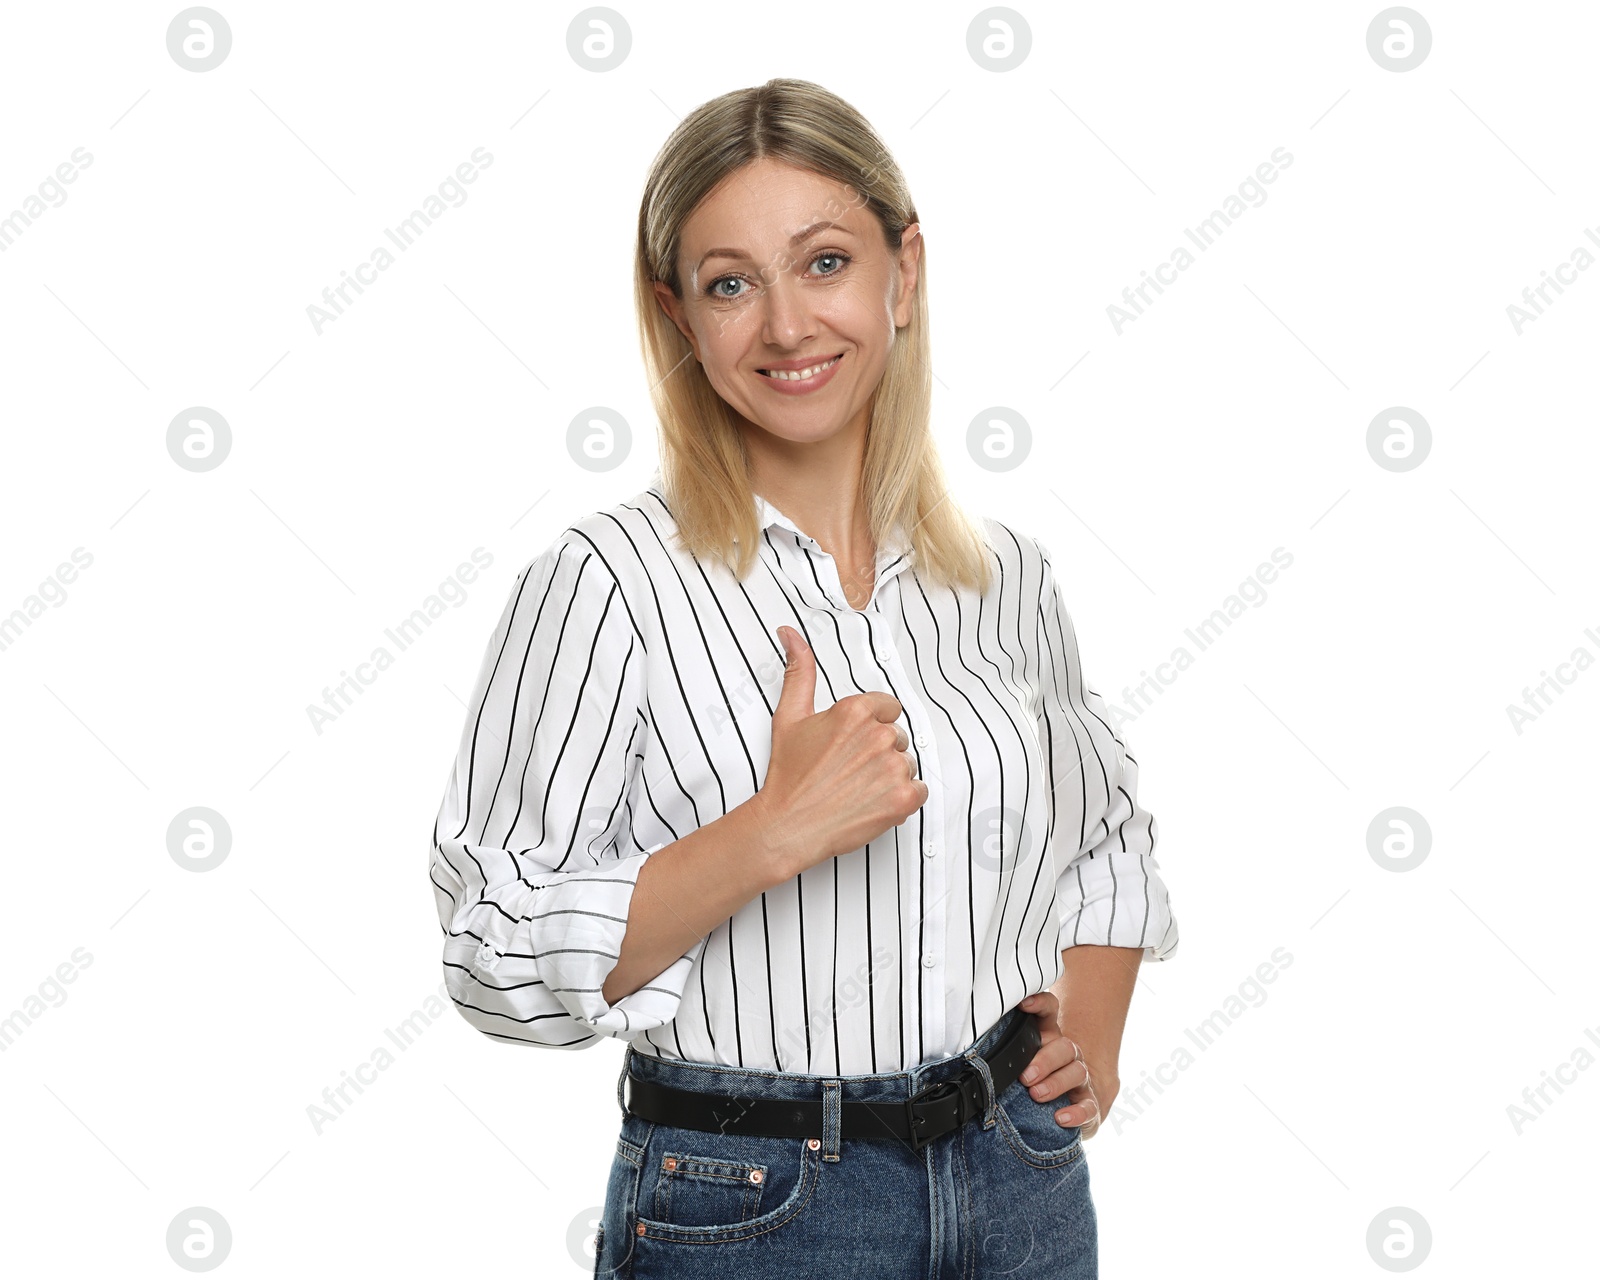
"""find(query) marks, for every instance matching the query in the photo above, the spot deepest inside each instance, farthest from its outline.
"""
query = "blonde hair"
(704, 464)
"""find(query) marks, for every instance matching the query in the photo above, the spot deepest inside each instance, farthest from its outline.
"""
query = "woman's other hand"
(1061, 1069)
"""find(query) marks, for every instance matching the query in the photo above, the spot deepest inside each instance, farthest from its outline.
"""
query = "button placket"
(929, 963)
(832, 584)
(940, 892)
(885, 575)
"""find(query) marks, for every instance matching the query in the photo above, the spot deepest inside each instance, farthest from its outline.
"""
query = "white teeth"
(798, 375)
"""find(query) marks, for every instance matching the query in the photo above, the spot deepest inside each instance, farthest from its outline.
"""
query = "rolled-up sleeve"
(533, 861)
(1109, 888)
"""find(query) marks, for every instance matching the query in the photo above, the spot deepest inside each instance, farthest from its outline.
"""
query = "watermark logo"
(599, 439)
(50, 195)
(199, 839)
(452, 592)
(1249, 594)
(336, 1099)
(852, 992)
(1136, 1099)
(199, 39)
(1399, 839)
(1399, 39)
(50, 994)
(1251, 194)
(1001, 831)
(52, 592)
(1536, 1098)
(199, 439)
(199, 1239)
(999, 439)
(999, 39)
(760, 689)
(1538, 699)
(1399, 1239)
(592, 825)
(599, 39)
(1399, 439)
(449, 194)
(583, 1237)
(1537, 297)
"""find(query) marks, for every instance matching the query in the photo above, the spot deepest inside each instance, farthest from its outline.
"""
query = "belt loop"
(976, 1059)
(832, 1113)
(621, 1076)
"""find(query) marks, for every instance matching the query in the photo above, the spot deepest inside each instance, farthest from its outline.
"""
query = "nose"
(789, 322)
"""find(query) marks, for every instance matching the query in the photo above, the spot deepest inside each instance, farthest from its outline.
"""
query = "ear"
(674, 311)
(910, 262)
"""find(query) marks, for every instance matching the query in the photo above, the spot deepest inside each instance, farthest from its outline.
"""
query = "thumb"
(799, 694)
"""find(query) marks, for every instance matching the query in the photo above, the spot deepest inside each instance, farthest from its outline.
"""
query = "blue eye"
(713, 288)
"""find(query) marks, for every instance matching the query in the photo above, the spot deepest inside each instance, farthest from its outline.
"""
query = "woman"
(784, 772)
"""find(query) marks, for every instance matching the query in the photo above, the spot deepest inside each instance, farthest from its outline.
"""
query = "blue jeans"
(1006, 1194)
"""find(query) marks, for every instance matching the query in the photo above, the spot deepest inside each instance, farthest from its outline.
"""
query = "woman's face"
(780, 265)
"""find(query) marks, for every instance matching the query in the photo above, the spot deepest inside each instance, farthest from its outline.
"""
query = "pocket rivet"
(813, 1143)
(755, 1175)
(669, 1163)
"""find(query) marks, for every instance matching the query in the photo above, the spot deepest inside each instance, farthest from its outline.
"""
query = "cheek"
(722, 369)
(862, 314)
(735, 389)
(722, 347)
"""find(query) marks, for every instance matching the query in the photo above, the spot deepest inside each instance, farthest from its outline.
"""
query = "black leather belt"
(929, 1113)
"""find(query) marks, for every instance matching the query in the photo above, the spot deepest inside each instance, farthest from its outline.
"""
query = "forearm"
(1093, 994)
(687, 888)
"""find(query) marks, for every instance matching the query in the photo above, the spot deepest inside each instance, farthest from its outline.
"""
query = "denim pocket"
(703, 1191)
(1030, 1129)
(698, 1185)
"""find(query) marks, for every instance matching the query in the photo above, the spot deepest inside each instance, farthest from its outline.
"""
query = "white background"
(431, 418)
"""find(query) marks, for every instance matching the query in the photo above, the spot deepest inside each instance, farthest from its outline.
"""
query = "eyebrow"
(805, 233)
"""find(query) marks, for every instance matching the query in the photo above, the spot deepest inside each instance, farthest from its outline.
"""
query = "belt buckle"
(917, 1125)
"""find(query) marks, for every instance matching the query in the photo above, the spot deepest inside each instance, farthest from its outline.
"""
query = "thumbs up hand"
(838, 778)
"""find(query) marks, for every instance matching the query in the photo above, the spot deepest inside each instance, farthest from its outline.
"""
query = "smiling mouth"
(800, 375)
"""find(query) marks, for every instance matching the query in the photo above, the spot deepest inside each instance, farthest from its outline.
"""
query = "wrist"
(771, 839)
(1101, 1071)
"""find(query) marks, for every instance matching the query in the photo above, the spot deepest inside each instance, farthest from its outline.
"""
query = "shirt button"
(927, 849)
(927, 962)
(922, 739)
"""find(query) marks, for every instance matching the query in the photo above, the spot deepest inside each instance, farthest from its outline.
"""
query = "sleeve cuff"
(1118, 899)
(575, 934)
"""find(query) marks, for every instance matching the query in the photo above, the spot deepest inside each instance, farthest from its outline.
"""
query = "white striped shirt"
(625, 699)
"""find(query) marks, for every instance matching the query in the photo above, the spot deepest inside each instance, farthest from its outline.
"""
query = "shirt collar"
(767, 515)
